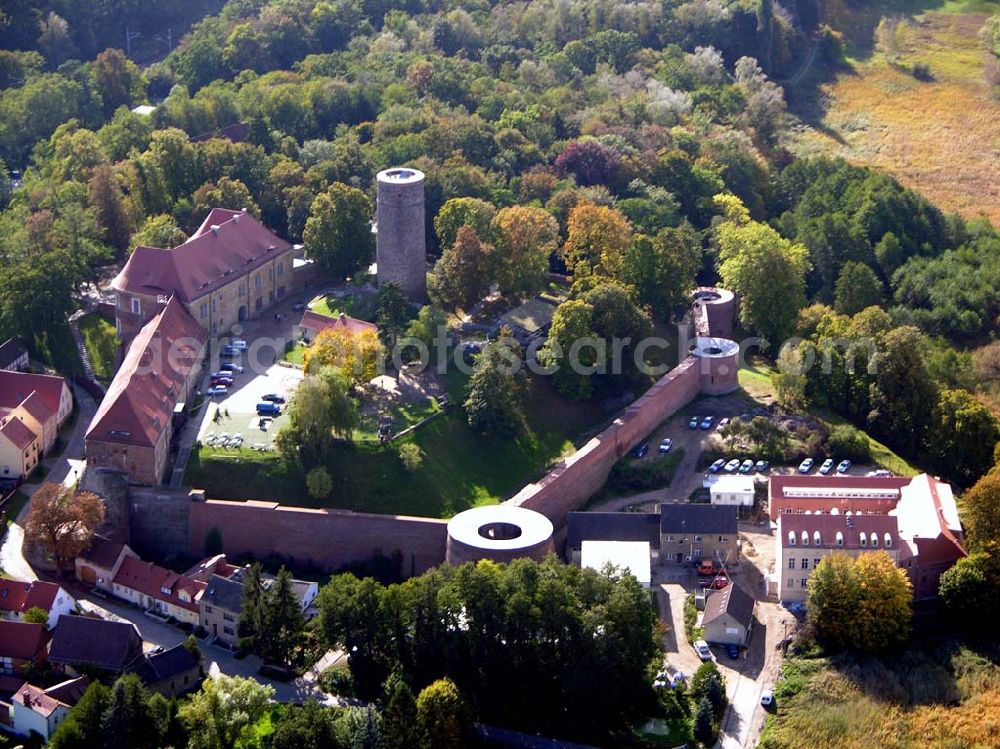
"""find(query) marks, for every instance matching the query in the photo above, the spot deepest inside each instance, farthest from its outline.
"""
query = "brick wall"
(325, 538)
(578, 476)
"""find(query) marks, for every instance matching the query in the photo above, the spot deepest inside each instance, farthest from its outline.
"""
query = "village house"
(13, 355)
(99, 564)
(133, 426)
(32, 409)
(37, 710)
(728, 616)
(158, 589)
(171, 672)
(627, 527)
(82, 642)
(732, 490)
(692, 532)
(231, 269)
(18, 597)
(21, 644)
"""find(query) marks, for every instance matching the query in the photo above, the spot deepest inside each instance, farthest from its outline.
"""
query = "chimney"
(27, 698)
(215, 229)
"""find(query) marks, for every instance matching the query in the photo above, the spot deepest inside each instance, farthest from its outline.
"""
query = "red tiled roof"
(151, 580)
(22, 641)
(35, 405)
(18, 596)
(227, 243)
(315, 321)
(45, 701)
(140, 401)
(17, 432)
(851, 527)
(927, 512)
(778, 484)
(15, 387)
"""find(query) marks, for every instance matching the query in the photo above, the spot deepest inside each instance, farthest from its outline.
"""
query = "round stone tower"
(401, 243)
(498, 532)
(719, 364)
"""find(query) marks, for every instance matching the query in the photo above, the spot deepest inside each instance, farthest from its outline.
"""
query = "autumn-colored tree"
(118, 80)
(458, 212)
(444, 718)
(105, 194)
(460, 279)
(597, 239)
(525, 238)
(158, 231)
(226, 193)
(62, 521)
(356, 354)
(590, 161)
(981, 511)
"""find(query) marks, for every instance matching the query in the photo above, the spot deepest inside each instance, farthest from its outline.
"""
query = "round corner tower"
(401, 243)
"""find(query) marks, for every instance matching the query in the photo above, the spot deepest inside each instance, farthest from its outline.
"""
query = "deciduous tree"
(443, 716)
(662, 269)
(857, 288)
(63, 521)
(338, 231)
(525, 239)
(460, 274)
(597, 239)
(223, 711)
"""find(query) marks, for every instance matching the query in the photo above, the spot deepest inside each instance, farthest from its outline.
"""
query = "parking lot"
(235, 414)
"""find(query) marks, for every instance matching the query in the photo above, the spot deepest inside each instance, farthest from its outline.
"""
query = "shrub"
(922, 71)
(847, 442)
(412, 456)
(319, 483)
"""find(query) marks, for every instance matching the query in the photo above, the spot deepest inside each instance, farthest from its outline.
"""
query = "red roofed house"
(20, 448)
(313, 324)
(158, 589)
(42, 711)
(230, 270)
(132, 428)
(99, 564)
(17, 596)
(20, 644)
(914, 520)
(42, 403)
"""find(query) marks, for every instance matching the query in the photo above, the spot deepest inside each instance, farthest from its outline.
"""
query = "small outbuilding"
(732, 490)
(628, 556)
(729, 616)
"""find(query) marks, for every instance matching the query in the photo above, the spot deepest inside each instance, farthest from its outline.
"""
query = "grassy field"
(460, 468)
(101, 342)
(360, 306)
(938, 136)
(939, 695)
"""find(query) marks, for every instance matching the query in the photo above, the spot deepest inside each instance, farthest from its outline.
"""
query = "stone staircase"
(88, 367)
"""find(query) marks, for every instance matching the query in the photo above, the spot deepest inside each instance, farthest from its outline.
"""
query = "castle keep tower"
(401, 247)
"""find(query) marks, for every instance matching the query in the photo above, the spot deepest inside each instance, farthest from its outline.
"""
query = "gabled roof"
(834, 529)
(45, 701)
(315, 321)
(927, 511)
(732, 600)
(21, 640)
(17, 432)
(224, 593)
(35, 405)
(140, 402)
(10, 351)
(15, 387)
(17, 596)
(159, 667)
(103, 553)
(685, 517)
(158, 582)
(227, 244)
(80, 640)
(612, 526)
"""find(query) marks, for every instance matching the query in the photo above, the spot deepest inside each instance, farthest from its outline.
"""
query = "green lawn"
(297, 355)
(101, 343)
(359, 305)
(460, 470)
(55, 347)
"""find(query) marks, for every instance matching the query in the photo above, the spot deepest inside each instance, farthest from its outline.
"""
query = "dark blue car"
(641, 450)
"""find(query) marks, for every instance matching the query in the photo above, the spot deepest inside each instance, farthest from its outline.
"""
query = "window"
(213, 304)
(791, 538)
(805, 563)
(815, 562)
(874, 541)
(864, 539)
(256, 281)
(242, 291)
(840, 538)
(203, 311)
(208, 609)
(805, 582)
(229, 617)
(805, 538)
(136, 306)
(888, 541)
(791, 564)
(281, 268)
(722, 539)
(697, 539)
(228, 630)
(670, 539)
(816, 538)
(791, 583)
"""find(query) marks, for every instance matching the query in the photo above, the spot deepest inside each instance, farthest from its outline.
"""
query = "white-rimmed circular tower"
(501, 533)
(719, 364)
(401, 243)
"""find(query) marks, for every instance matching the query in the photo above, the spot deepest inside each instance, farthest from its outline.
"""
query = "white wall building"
(629, 556)
(732, 490)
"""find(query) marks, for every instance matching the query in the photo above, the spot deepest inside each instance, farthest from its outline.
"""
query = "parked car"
(299, 307)
(806, 465)
(228, 351)
(723, 423)
(767, 698)
(217, 390)
(239, 344)
(677, 679)
(827, 466)
(665, 444)
(761, 466)
(225, 382)
(266, 408)
(716, 583)
(747, 466)
(706, 423)
(717, 465)
(733, 465)
(733, 651)
(844, 466)
(231, 367)
(693, 424)
(882, 472)
(706, 567)
(702, 649)
(223, 374)
(640, 450)
(273, 398)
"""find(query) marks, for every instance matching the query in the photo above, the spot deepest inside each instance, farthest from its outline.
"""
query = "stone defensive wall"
(328, 539)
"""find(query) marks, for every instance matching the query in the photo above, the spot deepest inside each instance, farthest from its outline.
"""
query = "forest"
(632, 145)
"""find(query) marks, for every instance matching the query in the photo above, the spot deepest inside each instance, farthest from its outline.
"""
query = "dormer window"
(840, 538)
(791, 538)
(816, 538)
(805, 538)
(136, 306)
(874, 541)
(888, 541)
(863, 538)
(165, 591)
